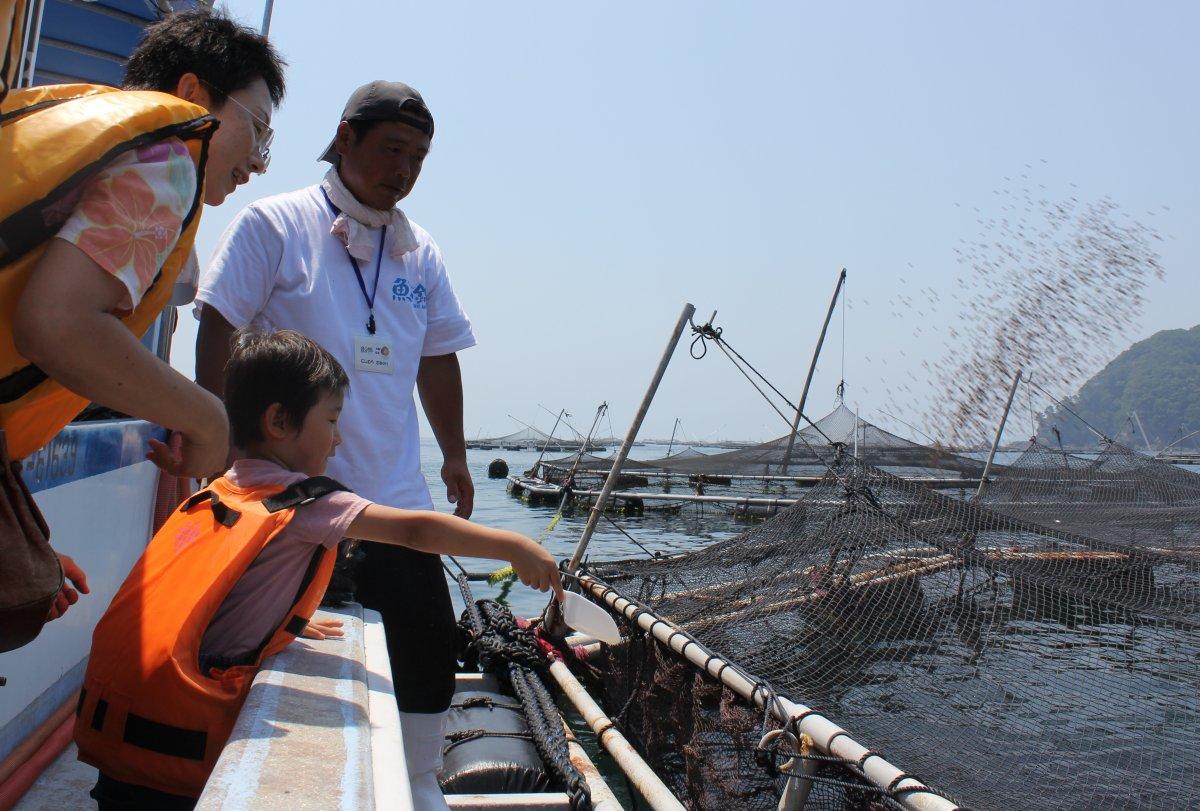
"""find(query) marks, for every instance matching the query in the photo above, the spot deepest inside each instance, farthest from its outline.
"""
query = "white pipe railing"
(648, 784)
(830, 738)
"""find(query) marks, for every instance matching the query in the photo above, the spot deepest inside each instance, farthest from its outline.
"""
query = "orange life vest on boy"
(147, 715)
(53, 140)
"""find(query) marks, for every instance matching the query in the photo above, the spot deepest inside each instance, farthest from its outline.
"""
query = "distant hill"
(1159, 378)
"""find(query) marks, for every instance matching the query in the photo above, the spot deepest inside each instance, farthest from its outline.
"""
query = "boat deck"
(319, 730)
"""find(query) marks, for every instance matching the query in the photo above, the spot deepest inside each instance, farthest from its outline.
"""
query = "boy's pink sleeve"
(326, 520)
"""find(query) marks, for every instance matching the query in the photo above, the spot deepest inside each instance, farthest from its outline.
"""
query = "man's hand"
(460, 490)
(439, 382)
(322, 629)
(68, 596)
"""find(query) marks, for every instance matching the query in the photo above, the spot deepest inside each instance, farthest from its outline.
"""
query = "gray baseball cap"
(384, 101)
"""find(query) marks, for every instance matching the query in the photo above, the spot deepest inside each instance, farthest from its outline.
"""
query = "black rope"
(703, 335)
(484, 701)
(1103, 436)
(709, 332)
(502, 647)
(627, 535)
(467, 735)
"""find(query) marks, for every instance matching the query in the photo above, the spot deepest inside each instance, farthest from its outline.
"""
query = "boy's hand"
(321, 629)
(536, 567)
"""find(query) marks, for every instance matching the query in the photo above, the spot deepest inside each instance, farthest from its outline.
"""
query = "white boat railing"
(320, 722)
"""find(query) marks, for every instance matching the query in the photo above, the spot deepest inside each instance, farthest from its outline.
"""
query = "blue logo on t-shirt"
(402, 292)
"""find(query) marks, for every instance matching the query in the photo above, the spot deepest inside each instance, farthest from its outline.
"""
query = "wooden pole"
(648, 784)
(812, 367)
(830, 738)
(603, 798)
(611, 481)
(987, 468)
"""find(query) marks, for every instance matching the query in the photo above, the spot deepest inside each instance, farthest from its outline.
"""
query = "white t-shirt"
(278, 267)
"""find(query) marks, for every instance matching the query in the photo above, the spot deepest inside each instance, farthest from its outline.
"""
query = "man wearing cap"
(342, 264)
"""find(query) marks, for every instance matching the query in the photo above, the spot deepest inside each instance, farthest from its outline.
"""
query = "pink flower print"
(128, 228)
(161, 151)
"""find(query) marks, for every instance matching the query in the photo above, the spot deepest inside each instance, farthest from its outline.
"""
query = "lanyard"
(362, 285)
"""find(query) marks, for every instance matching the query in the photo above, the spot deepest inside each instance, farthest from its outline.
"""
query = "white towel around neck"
(352, 224)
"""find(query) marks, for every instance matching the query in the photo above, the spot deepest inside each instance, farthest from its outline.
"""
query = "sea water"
(694, 526)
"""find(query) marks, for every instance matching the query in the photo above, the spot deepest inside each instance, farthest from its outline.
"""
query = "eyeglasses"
(263, 134)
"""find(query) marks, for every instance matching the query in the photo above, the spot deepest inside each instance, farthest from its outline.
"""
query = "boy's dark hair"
(224, 55)
(282, 367)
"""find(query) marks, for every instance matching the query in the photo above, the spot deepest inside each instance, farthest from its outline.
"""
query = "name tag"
(373, 353)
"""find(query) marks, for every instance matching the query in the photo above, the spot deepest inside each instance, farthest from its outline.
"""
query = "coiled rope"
(505, 649)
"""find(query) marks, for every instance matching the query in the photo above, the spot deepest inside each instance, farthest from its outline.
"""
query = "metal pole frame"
(611, 482)
(812, 368)
(32, 26)
(550, 439)
(987, 468)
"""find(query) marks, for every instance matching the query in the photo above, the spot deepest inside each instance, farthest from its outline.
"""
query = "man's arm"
(214, 345)
(439, 382)
(64, 326)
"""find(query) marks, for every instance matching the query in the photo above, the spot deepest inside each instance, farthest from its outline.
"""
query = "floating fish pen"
(1027, 658)
(879, 643)
(751, 482)
(531, 439)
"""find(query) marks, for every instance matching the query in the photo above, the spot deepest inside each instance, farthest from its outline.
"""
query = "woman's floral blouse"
(130, 215)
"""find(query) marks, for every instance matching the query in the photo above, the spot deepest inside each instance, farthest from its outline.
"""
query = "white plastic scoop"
(588, 618)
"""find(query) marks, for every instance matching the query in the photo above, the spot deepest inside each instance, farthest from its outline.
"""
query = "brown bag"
(30, 574)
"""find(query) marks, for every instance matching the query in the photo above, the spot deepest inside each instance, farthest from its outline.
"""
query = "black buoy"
(498, 469)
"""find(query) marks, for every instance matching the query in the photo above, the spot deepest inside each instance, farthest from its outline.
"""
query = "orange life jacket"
(53, 140)
(147, 715)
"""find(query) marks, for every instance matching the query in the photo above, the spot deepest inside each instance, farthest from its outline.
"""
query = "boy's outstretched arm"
(428, 531)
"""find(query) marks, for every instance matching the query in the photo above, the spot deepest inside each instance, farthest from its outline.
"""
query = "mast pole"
(266, 23)
(987, 468)
(855, 430)
(546, 444)
(611, 482)
(812, 367)
(671, 444)
(1138, 419)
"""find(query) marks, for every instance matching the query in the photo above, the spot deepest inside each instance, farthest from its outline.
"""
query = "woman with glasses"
(123, 252)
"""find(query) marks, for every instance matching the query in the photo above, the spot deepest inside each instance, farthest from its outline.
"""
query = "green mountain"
(1158, 378)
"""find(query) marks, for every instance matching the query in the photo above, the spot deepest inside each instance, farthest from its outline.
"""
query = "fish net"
(1038, 649)
(834, 437)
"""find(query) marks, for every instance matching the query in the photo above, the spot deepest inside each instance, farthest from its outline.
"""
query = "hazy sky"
(597, 165)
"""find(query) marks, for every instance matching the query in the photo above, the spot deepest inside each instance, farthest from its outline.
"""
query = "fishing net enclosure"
(1041, 649)
(1118, 496)
(834, 437)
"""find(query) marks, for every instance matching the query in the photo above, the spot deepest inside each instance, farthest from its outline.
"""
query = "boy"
(214, 594)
